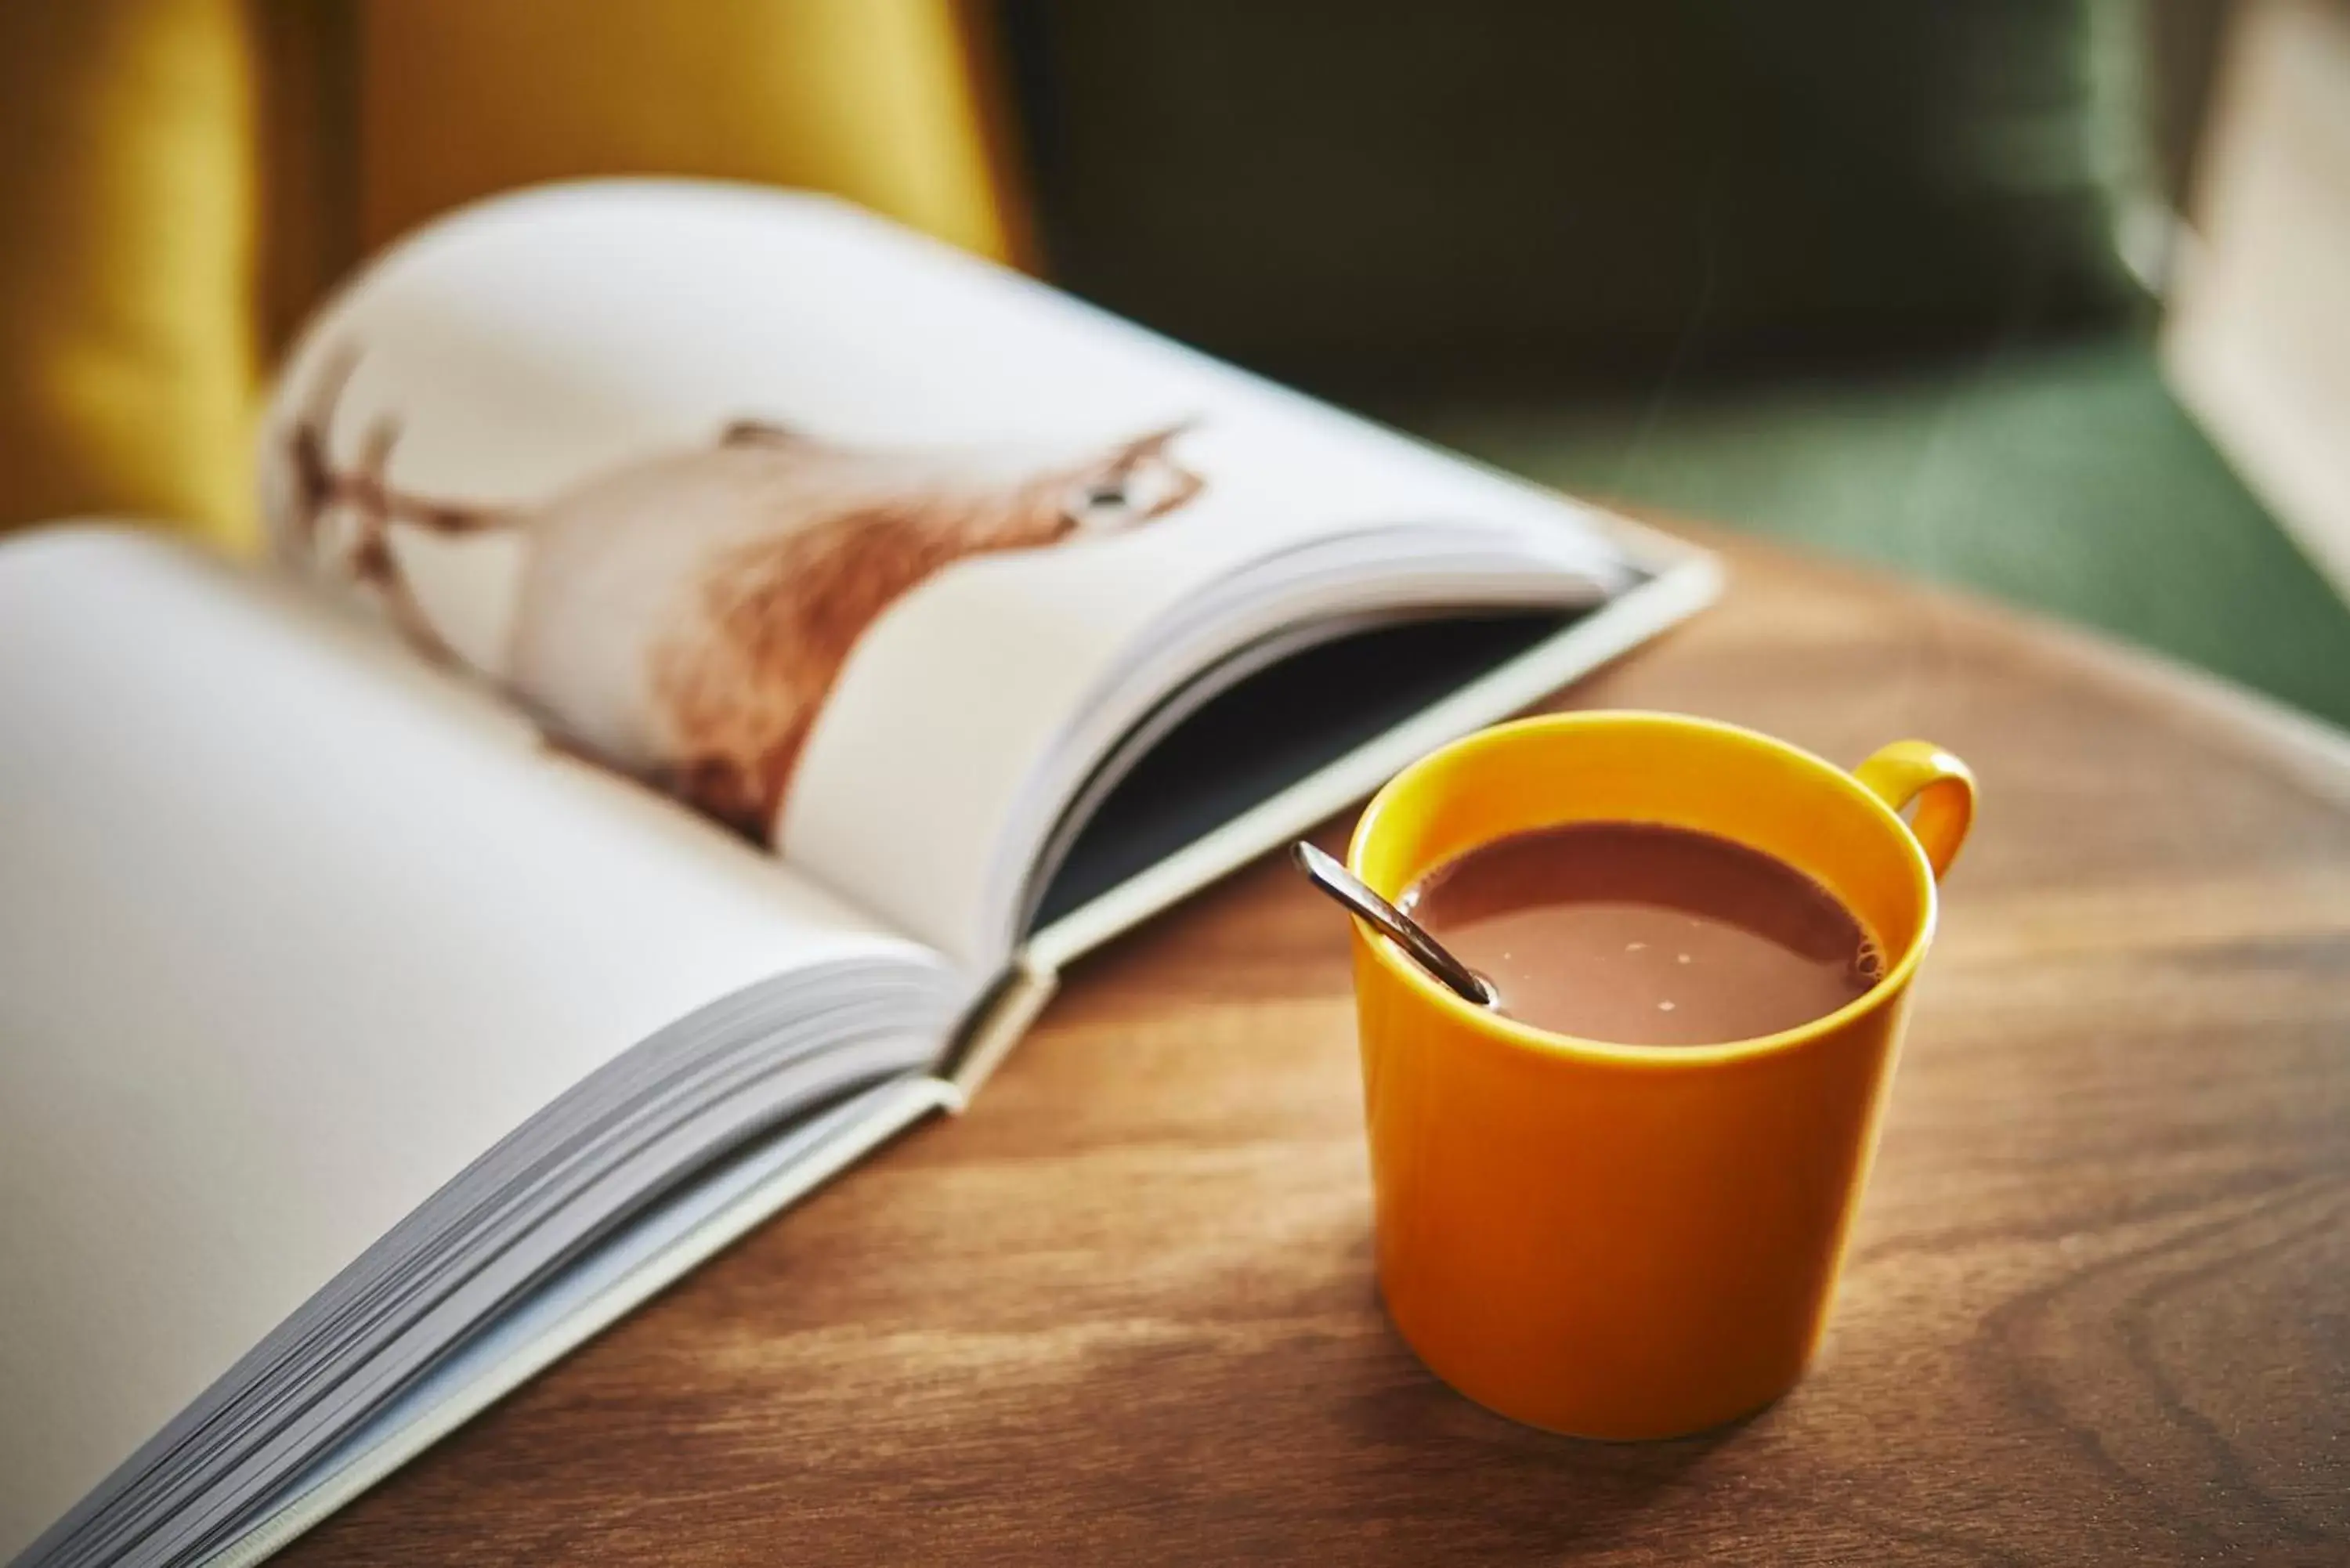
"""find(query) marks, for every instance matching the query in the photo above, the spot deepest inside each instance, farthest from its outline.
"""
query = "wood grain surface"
(2097, 1308)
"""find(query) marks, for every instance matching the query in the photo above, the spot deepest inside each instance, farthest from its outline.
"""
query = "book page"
(291, 931)
(826, 529)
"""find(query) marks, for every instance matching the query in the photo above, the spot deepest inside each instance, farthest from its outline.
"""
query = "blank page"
(291, 929)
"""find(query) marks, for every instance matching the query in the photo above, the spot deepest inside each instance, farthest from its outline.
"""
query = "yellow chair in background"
(181, 179)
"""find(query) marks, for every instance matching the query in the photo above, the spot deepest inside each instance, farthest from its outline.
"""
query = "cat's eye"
(1093, 504)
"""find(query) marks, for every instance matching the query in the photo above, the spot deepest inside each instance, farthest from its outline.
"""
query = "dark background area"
(1585, 192)
(1877, 280)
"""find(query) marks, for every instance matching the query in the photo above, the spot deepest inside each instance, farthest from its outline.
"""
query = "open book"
(725, 656)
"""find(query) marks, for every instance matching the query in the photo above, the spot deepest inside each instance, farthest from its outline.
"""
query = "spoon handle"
(1350, 890)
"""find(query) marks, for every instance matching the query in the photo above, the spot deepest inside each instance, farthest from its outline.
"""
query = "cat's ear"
(1128, 455)
(1137, 480)
(762, 432)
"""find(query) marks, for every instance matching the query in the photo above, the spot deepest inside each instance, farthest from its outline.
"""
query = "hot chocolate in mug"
(1629, 1241)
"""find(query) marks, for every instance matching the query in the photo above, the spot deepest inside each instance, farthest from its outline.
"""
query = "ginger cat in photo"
(682, 617)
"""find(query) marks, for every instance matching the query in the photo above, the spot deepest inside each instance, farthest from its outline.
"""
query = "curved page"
(824, 527)
(291, 931)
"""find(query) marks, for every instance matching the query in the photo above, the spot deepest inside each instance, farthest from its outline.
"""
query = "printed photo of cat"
(684, 616)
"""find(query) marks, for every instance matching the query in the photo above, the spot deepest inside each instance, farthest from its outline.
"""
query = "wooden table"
(2097, 1309)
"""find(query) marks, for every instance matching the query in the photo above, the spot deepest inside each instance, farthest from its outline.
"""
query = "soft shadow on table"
(1407, 1436)
(1586, 1493)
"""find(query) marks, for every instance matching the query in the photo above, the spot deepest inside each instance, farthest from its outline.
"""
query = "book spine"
(993, 1027)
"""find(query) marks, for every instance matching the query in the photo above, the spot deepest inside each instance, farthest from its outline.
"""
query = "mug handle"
(1943, 787)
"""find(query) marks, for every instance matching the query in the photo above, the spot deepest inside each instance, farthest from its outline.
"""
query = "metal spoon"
(1349, 889)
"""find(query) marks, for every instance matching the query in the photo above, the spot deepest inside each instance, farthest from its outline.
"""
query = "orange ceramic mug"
(1634, 1240)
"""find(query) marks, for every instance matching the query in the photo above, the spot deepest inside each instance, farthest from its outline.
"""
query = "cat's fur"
(683, 617)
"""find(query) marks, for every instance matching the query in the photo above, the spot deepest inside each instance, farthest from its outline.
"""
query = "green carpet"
(2064, 479)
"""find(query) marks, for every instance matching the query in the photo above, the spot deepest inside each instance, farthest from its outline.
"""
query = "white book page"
(826, 528)
(291, 929)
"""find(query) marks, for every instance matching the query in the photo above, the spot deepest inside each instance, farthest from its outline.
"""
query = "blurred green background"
(1877, 280)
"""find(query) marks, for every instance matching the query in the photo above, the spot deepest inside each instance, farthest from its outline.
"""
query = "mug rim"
(1552, 1043)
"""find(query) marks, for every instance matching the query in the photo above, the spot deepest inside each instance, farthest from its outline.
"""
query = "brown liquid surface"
(1646, 935)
